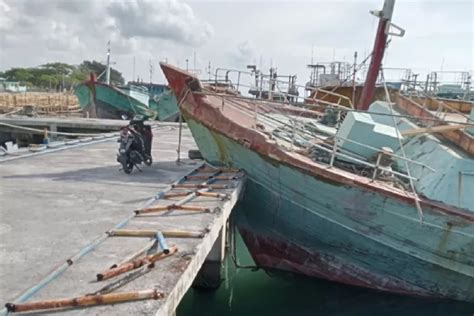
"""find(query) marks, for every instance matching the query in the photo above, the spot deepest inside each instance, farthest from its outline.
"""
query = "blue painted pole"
(162, 242)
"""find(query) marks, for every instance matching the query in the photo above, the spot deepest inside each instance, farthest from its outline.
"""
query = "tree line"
(58, 76)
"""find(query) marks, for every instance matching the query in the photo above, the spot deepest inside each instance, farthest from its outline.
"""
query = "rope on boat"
(181, 100)
(412, 185)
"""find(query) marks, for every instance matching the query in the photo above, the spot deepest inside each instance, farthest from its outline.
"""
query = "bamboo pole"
(172, 207)
(213, 194)
(151, 259)
(176, 194)
(200, 186)
(211, 169)
(198, 177)
(123, 281)
(85, 301)
(435, 129)
(152, 233)
(135, 255)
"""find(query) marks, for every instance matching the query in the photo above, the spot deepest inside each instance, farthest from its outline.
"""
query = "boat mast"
(385, 17)
(107, 74)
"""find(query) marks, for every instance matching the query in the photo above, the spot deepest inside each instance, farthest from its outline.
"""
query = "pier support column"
(53, 128)
(209, 277)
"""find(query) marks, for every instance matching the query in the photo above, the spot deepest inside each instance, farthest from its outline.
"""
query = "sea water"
(249, 292)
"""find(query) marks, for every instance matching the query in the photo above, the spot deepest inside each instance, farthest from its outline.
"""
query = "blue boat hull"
(294, 221)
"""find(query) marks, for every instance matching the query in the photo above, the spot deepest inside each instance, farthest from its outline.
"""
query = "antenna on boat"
(151, 71)
(107, 74)
(354, 70)
(383, 31)
(133, 77)
(209, 70)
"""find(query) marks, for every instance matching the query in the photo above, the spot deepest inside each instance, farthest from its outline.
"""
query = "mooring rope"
(399, 136)
(181, 100)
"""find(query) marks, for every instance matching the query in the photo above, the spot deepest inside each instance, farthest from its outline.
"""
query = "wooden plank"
(435, 129)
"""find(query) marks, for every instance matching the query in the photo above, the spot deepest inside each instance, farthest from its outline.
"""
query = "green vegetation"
(58, 76)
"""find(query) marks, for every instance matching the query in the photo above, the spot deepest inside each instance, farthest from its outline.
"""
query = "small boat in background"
(104, 100)
(101, 100)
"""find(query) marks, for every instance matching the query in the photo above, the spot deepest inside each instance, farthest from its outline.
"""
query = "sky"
(232, 34)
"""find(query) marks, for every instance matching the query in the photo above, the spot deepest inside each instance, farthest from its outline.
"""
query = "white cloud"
(230, 33)
(163, 19)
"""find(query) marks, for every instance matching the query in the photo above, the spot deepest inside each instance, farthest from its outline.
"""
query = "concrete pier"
(54, 205)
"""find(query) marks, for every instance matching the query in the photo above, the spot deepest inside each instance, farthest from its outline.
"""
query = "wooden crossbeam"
(200, 186)
(135, 264)
(151, 233)
(221, 169)
(213, 194)
(435, 129)
(172, 207)
(176, 194)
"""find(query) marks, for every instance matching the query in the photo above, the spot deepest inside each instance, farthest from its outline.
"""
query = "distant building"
(11, 86)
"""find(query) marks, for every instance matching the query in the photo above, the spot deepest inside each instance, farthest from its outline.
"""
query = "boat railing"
(443, 109)
(334, 150)
(280, 89)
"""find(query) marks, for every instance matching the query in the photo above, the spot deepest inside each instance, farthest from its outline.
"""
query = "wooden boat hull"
(298, 216)
(292, 221)
(104, 101)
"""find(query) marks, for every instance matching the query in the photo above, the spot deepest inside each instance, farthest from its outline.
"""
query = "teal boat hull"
(105, 101)
(294, 222)
(319, 223)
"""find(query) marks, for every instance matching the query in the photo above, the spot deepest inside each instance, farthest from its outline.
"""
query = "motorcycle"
(135, 145)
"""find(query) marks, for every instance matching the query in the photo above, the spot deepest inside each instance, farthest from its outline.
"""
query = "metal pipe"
(378, 51)
(162, 242)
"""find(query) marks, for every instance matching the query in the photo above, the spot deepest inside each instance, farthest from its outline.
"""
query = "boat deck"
(63, 206)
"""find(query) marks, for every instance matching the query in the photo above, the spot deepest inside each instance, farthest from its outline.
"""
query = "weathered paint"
(302, 216)
(111, 102)
(461, 138)
(448, 162)
(292, 221)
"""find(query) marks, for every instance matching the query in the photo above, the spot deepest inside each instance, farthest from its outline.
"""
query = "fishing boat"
(104, 100)
(369, 200)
